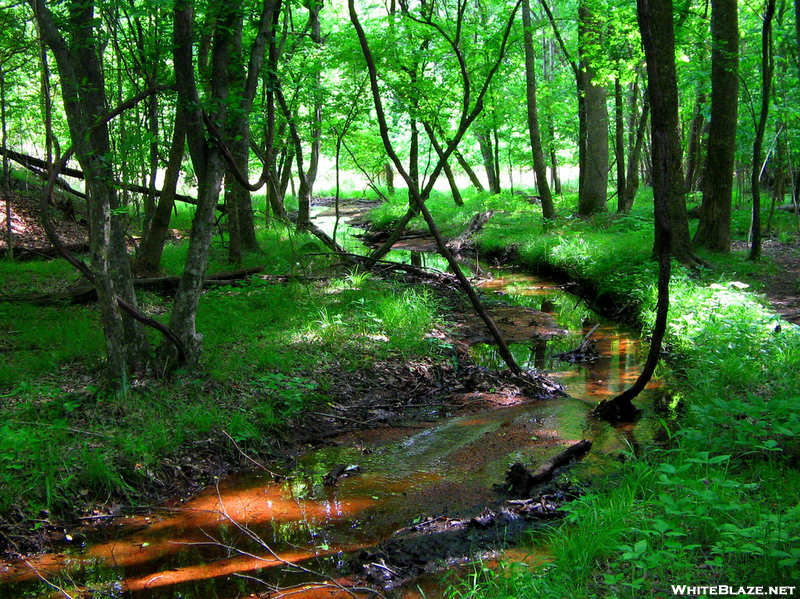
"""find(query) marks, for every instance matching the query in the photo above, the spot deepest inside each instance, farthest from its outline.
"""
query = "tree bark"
(539, 166)
(625, 201)
(207, 161)
(448, 172)
(487, 153)
(593, 181)
(767, 66)
(153, 238)
(86, 105)
(619, 137)
(714, 229)
(693, 149)
(658, 38)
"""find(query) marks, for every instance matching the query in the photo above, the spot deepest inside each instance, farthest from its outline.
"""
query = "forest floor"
(383, 393)
(781, 287)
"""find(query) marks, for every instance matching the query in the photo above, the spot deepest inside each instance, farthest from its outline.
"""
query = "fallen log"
(521, 480)
(460, 243)
(585, 352)
(23, 254)
(82, 294)
(41, 169)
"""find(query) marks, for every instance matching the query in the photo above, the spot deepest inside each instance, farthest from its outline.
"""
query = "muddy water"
(250, 533)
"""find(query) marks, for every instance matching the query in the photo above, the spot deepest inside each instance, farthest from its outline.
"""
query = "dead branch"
(521, 480)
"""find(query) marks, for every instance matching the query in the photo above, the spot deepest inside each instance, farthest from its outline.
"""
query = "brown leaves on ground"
(26, 224)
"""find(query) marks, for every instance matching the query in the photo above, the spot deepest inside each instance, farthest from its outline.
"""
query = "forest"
(412, 298)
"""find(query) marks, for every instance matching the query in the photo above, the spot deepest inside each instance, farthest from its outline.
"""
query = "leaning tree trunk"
(655, 24)
(468, 116)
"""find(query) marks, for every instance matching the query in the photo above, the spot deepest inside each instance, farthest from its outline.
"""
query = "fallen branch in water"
(521, 480)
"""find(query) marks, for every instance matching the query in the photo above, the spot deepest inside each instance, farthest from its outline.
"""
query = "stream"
(252, 533)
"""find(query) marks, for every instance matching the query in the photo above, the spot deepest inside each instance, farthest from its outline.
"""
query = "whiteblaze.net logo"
(730, 590)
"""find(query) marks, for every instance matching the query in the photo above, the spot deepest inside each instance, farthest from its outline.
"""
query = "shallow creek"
(248, 529)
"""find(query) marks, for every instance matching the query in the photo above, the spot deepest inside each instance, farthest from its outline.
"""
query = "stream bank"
(423, 496)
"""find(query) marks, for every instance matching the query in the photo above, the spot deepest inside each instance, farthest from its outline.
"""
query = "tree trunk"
(448, 172)
(625, 200)
(593, 181)
(389, 173)
(152, 246)
(619, 138)
(86, 104)
(767, 66)
(487, 153)
(473, 178)
(539, 166)
(658, 38)
(6, 172)
(693, 150)
(207, 161)
(714, 229)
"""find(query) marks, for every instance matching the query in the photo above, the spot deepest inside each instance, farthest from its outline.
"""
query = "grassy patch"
(268, 351)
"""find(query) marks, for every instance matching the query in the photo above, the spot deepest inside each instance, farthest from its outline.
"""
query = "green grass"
(270, 351)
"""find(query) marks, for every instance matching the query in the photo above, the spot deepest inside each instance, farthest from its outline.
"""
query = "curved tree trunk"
(655, 24)
(767, 66)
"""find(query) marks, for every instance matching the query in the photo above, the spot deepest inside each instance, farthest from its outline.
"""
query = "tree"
(86, 106)
(658, 37)
(592, 111)
(714, 230)
(593, 138)
(539, 166)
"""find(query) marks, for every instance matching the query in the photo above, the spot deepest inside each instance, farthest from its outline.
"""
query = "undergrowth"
(719, 505)
(271, 350)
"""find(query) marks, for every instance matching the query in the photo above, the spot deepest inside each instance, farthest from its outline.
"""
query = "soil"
(28, 236)
(781, 286)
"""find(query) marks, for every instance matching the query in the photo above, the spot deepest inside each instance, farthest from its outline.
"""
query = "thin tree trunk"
(153, 239)
(414, 191)
(694, 145)
(767, 66)
(6, 172)
(487, 153)
(625, 201)
(448, 172)
(658, 38)
(619, 137)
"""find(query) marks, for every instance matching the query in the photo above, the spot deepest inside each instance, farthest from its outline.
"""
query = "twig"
(77, 431)
(247, 457)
